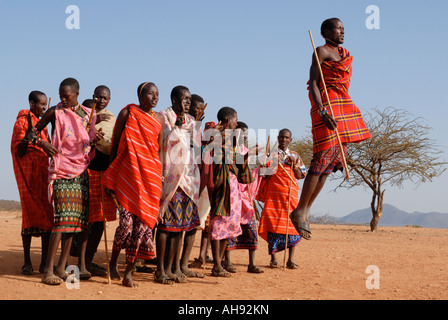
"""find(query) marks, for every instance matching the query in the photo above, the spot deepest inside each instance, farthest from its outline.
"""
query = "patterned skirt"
(180, 215)
(276, 241)
(134, 236)
(247, 240)
(71, 204)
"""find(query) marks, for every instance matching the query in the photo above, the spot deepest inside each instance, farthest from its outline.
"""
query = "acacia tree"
(399, 150)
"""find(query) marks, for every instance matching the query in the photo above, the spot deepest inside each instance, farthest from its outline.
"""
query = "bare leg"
(45, 242)
(127, 278)
(312, 186)
(172, 266)
(60, 269)
(48, 276)
(188, 246)
(114, 275)
(218, 249)
(83, 237)
(26, 242)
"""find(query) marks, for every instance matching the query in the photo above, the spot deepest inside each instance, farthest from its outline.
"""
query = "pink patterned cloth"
(224, 227)
(179, 167)
(248, 193)
(73, 143)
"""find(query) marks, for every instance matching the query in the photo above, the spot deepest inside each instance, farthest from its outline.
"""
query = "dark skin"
(195, 108)
(102, 97)
(284, 139)
(148, 100)
(171, 268)
(333, 37)
(313, 184)
(219, 246)
(69, 98)
(37, 108)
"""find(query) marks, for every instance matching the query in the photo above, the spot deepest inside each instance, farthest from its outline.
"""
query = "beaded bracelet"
(323, 112)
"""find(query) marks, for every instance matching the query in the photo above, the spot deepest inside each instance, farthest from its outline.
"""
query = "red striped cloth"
(99, 204)
(351, 126)
(136, 173)
(31, 172)
(274, 191)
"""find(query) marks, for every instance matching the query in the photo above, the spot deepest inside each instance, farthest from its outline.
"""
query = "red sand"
(412, 264)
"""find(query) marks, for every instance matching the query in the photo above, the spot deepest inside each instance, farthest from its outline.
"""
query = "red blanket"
(136, 173)
(351, 127)
(274, 191)
(31, 173)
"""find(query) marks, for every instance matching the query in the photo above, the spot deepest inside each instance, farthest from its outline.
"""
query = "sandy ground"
(411, 263)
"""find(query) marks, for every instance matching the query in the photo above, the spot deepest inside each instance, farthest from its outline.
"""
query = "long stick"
(347, 173)
(266, 150)
(287, 218)
(105, 234)
(91, 115)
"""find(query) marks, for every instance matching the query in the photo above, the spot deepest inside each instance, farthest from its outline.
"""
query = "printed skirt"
(276, 241)
(180, 215)
(71, 204)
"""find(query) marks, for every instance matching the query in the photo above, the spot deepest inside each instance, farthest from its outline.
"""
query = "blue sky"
(253, 55)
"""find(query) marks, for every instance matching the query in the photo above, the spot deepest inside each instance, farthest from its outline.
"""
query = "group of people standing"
(166, 176)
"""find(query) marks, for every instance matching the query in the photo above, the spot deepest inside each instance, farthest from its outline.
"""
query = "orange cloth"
(99, 204)
(31, 173)
(136, 173)
(274, 192)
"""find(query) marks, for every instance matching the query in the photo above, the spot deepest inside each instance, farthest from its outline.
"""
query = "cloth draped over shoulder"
(351, 126)
(107, 126)
(274, 192)
(135, 175)
(220, 202)
(31, 172)
(179, 167)
(72, 141)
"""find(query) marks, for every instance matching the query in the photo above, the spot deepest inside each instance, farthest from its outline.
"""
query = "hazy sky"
(253, 55)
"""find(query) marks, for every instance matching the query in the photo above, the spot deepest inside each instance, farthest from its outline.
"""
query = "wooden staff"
(266, 150)
(49, 101)
(347, 173)
(91, 114)
(287, 217)
(201, 113)
(105, 234)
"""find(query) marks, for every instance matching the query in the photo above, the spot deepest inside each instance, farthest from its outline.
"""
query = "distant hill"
(10, 205)
(394, 217)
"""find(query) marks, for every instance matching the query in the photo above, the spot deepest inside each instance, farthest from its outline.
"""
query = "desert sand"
(409, 264)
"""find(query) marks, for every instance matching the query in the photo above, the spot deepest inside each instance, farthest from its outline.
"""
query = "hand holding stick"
(347, 173)
(89, 124)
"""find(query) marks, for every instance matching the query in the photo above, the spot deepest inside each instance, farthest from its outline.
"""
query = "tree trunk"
(377, 209)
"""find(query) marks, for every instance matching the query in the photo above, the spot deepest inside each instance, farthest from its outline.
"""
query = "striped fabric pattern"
(351, 126)
(136, 173)
(31, 172)
(274, 192)
(99, 202)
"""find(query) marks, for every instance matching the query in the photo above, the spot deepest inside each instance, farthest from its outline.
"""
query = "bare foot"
(127, 282)
(114, 272)
(301, 224)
